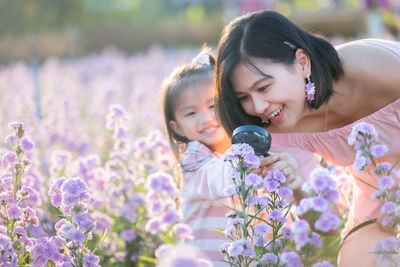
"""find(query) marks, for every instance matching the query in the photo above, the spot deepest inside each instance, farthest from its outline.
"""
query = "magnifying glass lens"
(255, 136)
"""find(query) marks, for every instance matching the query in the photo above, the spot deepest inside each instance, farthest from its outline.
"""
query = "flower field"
(86, 176)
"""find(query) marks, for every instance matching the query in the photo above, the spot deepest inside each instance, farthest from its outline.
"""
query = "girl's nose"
(260, 105)
(207, 116)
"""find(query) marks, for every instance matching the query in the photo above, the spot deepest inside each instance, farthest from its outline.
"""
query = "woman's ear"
(303, 60)
(175, 127)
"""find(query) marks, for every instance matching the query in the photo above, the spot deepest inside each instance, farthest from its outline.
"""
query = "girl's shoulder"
(195, 156)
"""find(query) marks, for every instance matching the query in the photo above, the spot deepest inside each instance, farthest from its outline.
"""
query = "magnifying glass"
(255, 136)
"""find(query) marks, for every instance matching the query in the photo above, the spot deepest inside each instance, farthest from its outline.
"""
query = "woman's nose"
(260, 105)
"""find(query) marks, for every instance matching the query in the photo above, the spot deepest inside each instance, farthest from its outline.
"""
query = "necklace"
(323, 162)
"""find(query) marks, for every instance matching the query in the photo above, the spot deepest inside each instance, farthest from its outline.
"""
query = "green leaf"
(148, 259)
(292, 217)
(376, 188)
(103, 237)
(216, 230)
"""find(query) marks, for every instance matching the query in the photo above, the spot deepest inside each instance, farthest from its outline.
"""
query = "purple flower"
(231, 190)
(383, 167)
(183, 231)
(327, 222)
(19, 231)
(315, 240)
(285, 192)
(163, 250)
(91, 258)
(304, 206)
(301, 239)
(275, 215)
(276, 175)
(170, 217)
(388, 207)
(39, 261)
(11, 138)
(15, 124)
(286, 233)
(154, 225)
(235, 221)
(237, 151)
(26, 144)
(271, 185)
(251, 161)
(260, 241)
(300, 226)
(260, 202)
(56, 186)
(379, 151)
(14, 212)
(291, 259)
(364, 129)
(269, 258)
(78, 237)
(261, 229)
(360, 163)
(322, 264)
(128, 235)
(387, 220)
(56, 200)
(10, 157)
(319, 204)
(385, 183)
(254, 180)
(73, 186)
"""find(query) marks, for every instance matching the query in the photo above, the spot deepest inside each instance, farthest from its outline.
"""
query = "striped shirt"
(204, 177)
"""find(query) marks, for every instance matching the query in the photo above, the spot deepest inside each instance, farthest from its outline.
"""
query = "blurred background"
(78, 27)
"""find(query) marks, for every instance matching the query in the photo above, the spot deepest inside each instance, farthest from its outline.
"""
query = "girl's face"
(195, 117)
(277, 97)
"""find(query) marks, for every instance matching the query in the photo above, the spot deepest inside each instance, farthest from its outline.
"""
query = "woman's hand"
(288, 165)
(285, 163)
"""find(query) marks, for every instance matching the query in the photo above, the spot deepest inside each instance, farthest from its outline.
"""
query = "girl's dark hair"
(270, 35)
(182, 78)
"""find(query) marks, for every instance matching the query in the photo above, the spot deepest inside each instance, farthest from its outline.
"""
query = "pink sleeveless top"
(333, 144)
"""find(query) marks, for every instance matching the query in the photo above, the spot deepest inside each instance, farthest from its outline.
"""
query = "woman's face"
(277, 97)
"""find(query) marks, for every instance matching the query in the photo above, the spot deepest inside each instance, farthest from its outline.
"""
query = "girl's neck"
(222, 147)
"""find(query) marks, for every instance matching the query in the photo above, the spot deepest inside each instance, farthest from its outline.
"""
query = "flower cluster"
(257, 221)
(17, 199)
(369, 158)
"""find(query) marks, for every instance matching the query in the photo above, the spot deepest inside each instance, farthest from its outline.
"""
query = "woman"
(308, 94)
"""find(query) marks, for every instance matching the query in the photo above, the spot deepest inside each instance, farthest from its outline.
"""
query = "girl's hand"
(285, 163)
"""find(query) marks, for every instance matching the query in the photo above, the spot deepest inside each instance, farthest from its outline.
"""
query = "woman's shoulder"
(373, 64)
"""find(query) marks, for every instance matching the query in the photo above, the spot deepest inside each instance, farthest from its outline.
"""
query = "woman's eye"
(263, 88)
(212, 106)
(242, 98)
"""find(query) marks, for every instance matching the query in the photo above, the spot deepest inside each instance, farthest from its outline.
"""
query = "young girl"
(198, 141)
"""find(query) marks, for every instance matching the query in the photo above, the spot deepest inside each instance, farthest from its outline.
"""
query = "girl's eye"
(212, 106)
(189, 114)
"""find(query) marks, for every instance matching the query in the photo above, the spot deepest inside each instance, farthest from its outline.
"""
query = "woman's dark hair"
(270, 35)
(181, 78)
